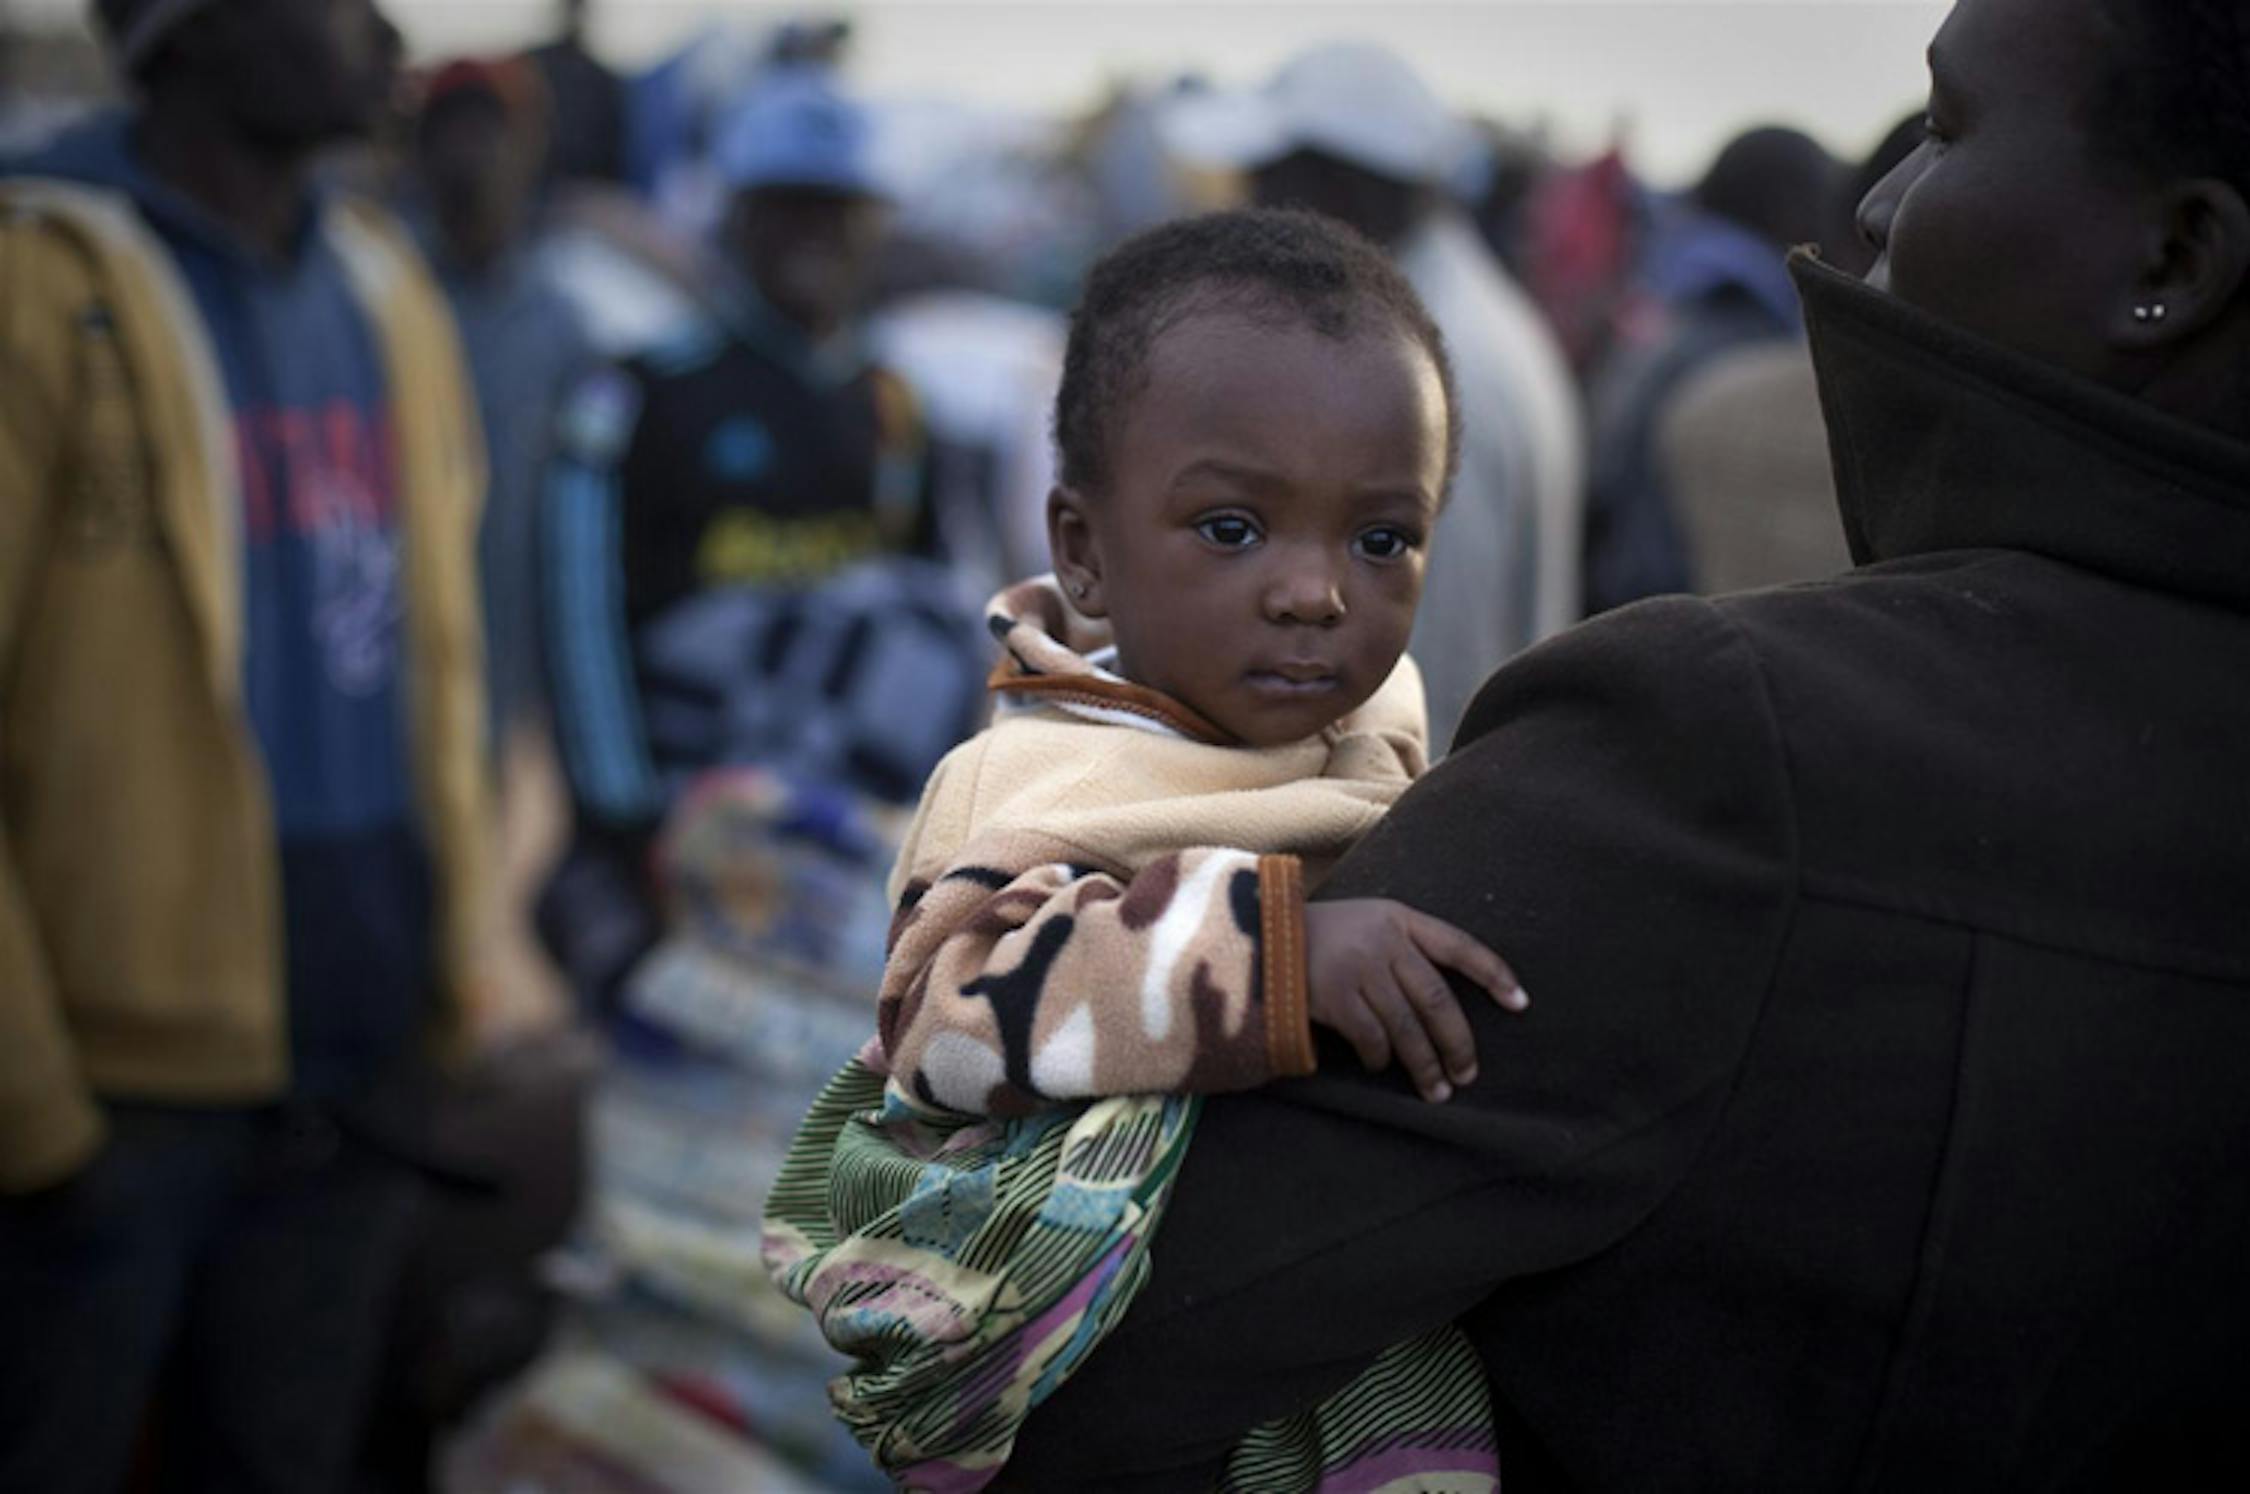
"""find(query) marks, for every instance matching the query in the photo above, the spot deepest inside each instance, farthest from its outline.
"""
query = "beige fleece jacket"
(1099, 896)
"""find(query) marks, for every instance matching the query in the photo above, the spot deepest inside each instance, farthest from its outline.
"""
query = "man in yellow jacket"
(240, 751)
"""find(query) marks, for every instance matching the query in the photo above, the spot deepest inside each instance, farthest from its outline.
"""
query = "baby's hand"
(1372, 973)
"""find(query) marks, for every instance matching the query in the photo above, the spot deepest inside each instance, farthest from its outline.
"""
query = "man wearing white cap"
(1347, 129)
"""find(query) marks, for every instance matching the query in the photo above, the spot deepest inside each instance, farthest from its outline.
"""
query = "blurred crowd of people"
(748, 380)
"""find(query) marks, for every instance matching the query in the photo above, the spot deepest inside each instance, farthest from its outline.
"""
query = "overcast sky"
(1684, 74)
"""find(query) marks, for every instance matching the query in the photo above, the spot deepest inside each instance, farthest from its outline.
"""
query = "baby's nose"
(1306, 593)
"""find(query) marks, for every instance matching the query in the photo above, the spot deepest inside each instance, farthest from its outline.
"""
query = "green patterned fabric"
(968, 1265)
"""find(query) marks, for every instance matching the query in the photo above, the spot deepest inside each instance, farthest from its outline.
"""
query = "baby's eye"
(1386, 542)
(1228, 531)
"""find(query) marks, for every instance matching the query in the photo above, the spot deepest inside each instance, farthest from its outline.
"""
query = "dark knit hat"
(136, 28)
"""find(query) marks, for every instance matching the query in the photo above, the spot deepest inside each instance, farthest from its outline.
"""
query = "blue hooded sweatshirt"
(323, 609)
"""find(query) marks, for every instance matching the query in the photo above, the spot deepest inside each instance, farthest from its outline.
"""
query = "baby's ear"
(1075, 545)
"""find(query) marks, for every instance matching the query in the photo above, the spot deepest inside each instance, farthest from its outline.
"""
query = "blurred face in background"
(810, 251)
(290, 74)
(480, 166)
(1381, 207)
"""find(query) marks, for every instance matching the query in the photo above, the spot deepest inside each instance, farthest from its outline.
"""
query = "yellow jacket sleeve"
(49, 1123)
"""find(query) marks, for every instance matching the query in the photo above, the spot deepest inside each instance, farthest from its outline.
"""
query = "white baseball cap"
(1353, 100)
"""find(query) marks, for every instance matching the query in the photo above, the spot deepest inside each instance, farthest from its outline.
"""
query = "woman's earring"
(2151, 312)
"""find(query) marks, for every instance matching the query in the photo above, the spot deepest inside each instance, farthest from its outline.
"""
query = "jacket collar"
(1944, 441)
(1051, 654)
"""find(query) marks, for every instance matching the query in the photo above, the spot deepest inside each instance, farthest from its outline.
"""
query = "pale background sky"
(1685, 73)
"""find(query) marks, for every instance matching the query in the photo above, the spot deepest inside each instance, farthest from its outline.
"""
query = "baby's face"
(1260, 547)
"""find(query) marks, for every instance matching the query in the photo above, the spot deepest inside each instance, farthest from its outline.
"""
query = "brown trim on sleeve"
(1281, 918)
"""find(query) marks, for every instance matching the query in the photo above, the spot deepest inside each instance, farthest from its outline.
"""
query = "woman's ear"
(2198, 260)
(1075, 544)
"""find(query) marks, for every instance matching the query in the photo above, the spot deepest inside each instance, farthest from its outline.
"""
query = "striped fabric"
(968, 1266)
(1416, 1421)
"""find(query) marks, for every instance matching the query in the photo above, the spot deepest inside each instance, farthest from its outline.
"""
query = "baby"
(1103, 894)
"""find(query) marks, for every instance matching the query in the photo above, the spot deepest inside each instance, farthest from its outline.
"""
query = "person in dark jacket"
(765, 448)
(1884, 1119)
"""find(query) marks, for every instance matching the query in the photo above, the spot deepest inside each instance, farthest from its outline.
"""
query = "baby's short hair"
(1278, 266)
